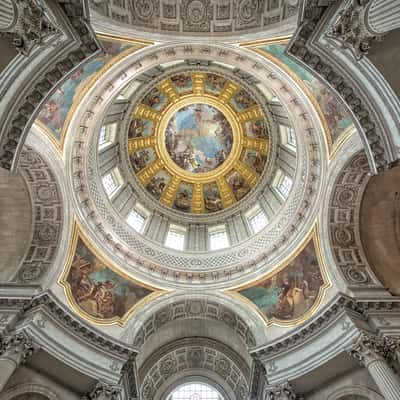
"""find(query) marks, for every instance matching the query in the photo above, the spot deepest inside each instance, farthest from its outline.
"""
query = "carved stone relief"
(344, 222)
(198, 354)
(194, 309)
(200, 16)
(301, 49)
(31, 26)
(47, 216)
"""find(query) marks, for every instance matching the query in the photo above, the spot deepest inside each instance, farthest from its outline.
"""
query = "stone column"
(375, 354)
(7, 15)
(14, 350)
(383, 16)
(103, 391)
(282, 391)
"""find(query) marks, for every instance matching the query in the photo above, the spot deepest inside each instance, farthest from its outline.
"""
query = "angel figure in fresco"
(182, 200)
(82, 285)
(259, 129)
(136, 128)
(218, 82)
(104, 299)
(181, 80)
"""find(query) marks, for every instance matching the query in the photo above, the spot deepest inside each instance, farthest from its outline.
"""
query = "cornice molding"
(49, 56)
(359, 86)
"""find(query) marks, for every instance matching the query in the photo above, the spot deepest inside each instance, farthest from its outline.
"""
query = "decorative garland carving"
(344, 222)
(47, 216)
(300, 48)
(27, 108)
(194, 309)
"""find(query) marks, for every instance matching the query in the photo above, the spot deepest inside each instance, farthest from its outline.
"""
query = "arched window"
(195, 391)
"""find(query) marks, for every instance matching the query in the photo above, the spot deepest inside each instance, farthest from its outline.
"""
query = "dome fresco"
(198, 142)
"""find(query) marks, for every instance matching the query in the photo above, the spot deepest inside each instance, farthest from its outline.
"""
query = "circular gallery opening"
(195, 391)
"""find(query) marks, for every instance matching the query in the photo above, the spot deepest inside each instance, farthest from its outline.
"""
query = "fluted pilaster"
(7, 15)
(383, 16)
(376, 354)
(14, 350)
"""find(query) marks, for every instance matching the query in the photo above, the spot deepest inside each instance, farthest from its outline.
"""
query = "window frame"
(176, 230)
(214, 231)
(110, 132)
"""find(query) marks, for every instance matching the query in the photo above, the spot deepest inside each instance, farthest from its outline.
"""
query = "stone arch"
(198, 356)
(211, 307)
(343, 223)
(355, 392)
(47, 215)
(29, 390)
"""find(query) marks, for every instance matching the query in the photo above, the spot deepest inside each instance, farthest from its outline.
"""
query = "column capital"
(18, 347)
(282, 391)
(369, 348)
(352, 29)
(103, 391)
(31, 26)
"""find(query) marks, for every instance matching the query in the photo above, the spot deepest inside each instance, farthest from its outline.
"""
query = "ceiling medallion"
(198, 142)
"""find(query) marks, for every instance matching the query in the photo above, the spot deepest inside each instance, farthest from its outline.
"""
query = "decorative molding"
(103, 391)
(47, 216)
(351, 29)
(305, 47)
(73, 324)
(196, 354)
(76, 46)
(362, 308)
(219, 18)
(166, 266)
(194, 309)
(369, 348)
(343, 219)
(283, 391)
(30, 28)
(18, 347)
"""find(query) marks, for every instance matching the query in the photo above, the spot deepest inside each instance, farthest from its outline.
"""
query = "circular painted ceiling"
(198, 142)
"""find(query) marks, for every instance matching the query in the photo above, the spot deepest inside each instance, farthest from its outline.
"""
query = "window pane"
(258, 221)
(291, 138)
(110, 186)
(103, 135)
(285, 186)
(175, 240)
(195, 391)
(136, 221)
(218, 240)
